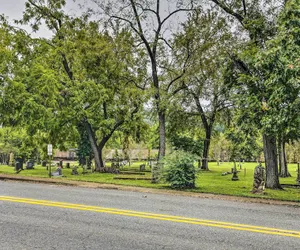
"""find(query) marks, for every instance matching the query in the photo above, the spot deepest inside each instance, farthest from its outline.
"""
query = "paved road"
(83, 218)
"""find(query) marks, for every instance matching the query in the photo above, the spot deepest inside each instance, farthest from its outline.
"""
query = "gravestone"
(74, 171)
(68, 165)
(226, 173)
(30, 164)
(61, 163)
(44, 163)
(142, 167)
(18, 165)
(155, 173)
(259, 179)
(20, 162)
(240, 165)
(234, 173)
(111, 170)
(58, 172)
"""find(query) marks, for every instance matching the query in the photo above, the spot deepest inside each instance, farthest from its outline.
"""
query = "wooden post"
(49, 173)
(298, 173)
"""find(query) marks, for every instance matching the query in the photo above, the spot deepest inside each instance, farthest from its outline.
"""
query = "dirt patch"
(62, 181)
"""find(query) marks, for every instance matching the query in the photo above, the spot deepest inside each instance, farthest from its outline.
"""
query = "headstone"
(259, 179)
(18, 166)
(240, 165)
(19, 161)
(74, 171)
(58, 172)
(44, 163)
(142, 167)
(226, 173)
(155, 173)
(111, 170)
(234, 173)
(61, 163)
(234, 176)
(30, 164)
(68, 165)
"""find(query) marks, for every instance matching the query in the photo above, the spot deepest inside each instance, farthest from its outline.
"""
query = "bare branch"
(244, 7)
(174, 12)
(166, 42)
(183, 87)
(228, 10)
(127, 21)
(183, 71)
(200, 110)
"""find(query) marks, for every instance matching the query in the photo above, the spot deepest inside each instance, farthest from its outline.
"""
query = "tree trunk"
(270, 152)
(206, 148)
(283, 168)
(102, 165)
(162, 135)
(160, 111)
(93, 141)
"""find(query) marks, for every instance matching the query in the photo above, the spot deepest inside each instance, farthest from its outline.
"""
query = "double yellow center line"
(163, 217)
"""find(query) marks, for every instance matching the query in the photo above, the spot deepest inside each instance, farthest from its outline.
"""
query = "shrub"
(179, 170)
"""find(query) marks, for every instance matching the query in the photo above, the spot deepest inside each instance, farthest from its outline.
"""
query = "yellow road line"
(164, 217)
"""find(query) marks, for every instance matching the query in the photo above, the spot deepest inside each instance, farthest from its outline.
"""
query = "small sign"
(49, 149)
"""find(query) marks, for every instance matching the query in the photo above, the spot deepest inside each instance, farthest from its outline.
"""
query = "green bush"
(179, 170)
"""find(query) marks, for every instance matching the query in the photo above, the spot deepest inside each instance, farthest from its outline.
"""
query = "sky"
(13, 9)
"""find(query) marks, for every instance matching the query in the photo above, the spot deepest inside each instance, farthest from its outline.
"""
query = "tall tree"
(258, 21)
(150, 22)
(91, 71)
(280, 66)
(201, 48)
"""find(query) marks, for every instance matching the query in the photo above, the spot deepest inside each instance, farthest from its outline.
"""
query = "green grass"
(207, 181)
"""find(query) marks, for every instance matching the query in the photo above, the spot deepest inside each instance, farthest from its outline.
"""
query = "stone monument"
(259, 180)
(58, 172)
(74, 171)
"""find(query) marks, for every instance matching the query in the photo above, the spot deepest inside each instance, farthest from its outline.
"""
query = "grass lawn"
(207, 181)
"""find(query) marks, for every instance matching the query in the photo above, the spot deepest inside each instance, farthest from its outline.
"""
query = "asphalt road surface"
(35, 216)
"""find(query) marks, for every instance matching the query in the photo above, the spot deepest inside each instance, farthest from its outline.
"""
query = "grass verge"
(207, 181)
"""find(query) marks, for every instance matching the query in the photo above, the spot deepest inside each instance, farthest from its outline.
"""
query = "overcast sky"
(13, 9)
